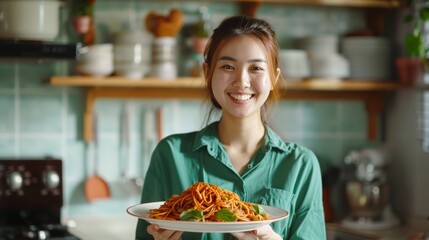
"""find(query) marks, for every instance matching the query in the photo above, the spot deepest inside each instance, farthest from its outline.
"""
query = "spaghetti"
(210, 203)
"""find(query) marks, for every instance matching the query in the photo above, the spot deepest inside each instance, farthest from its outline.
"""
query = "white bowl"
(134, 53)
(133, 72)
(101, 69)
(96, 53)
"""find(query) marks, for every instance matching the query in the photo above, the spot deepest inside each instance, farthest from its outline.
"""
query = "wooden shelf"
(339, 3)
(370, 92)
(314, 84)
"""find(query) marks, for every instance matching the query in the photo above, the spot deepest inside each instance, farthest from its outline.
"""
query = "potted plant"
(201, 29)
(82, 11)
(411, 68)
(200, 36)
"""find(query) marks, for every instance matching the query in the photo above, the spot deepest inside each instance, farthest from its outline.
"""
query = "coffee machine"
(367, 191)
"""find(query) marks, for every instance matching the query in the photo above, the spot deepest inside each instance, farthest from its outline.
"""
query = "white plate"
(142, 211)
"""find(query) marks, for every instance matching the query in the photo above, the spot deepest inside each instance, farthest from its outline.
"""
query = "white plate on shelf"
(142, 211)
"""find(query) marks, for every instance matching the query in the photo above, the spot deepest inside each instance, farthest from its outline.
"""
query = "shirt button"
(267, 148)
(250, 165)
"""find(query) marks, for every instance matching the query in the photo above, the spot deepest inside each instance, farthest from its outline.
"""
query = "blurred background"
(322, 44)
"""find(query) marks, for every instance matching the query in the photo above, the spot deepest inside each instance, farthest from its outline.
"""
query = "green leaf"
(414, 45)
(192, 215)
(407, 18)
(258, 209)
(424, 14)
(226, 215)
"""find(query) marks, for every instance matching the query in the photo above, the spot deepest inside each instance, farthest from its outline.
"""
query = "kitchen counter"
(107, 228)
(123, 227)
(402, 232)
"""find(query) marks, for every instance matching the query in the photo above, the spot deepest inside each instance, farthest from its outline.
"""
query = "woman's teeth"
(241, 97)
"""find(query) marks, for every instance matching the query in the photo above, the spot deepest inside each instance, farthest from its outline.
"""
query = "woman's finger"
(245, 235)
(162, 234)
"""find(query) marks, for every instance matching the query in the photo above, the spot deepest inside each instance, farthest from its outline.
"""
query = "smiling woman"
(238, 152)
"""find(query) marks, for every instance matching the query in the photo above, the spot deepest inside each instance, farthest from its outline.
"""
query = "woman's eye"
(257, 69)
(228, 67)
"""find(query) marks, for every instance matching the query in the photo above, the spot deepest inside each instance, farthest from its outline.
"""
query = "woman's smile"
(240, 97)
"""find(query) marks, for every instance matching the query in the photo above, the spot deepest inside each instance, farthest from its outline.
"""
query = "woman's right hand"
(162, 234)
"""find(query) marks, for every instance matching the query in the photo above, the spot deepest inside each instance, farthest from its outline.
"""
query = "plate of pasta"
(207, 208)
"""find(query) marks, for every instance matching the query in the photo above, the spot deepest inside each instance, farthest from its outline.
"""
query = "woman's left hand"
(262, 233)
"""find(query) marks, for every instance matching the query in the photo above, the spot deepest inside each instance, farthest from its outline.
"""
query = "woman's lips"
(241, 97)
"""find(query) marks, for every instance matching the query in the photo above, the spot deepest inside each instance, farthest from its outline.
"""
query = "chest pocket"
(281, 199)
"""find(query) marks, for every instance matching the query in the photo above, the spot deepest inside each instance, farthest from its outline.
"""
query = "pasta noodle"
(210, 203)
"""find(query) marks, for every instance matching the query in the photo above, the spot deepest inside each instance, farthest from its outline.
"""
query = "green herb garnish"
(226, 215)
(258, 209)
(192, 214)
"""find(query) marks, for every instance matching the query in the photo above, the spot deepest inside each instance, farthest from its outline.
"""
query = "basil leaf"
(191, 215)
(258, 209)
(226, 215)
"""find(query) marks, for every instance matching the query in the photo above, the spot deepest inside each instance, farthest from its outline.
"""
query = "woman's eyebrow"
(228, 58)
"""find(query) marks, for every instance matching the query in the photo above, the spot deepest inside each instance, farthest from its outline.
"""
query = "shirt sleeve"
(309, 221)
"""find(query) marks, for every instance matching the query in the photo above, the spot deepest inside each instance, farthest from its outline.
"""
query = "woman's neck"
(241, 138)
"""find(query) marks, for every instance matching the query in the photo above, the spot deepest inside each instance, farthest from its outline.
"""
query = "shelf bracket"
(374, 106)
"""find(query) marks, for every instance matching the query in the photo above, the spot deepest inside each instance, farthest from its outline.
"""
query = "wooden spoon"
(95, 186)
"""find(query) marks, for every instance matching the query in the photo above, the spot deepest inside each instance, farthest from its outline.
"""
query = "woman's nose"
(242, 79)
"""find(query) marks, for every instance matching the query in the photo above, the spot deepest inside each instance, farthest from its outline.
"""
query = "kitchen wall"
(39, 120)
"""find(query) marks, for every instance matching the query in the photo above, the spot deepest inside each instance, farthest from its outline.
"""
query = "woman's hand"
(262, 233)
(161, 234)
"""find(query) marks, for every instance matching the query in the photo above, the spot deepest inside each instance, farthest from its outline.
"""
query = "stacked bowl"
(324, 58)
(320, 43)
(368, 57)
(96, 60)
(132, 54)
(294, 64)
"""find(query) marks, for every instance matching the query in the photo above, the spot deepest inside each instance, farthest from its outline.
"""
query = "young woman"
(240, 152)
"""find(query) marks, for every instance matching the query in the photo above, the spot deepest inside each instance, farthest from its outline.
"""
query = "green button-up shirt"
(280, 174)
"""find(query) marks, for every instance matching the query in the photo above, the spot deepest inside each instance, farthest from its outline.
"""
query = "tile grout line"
(61, 67)
(17, 109)
(64, 132)
(340, 135)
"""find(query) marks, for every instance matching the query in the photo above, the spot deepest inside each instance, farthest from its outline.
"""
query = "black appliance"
(23, 49)
(31, 197)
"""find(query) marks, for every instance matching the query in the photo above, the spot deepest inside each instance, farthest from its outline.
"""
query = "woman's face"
(241, 82)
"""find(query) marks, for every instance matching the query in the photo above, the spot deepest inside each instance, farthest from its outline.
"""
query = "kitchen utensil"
(159, 123)
(132, 184)
(367, 190)
(36, 20)
(95, 186)
(149, 137)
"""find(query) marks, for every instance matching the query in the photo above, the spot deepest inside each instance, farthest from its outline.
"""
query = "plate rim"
(224, 227)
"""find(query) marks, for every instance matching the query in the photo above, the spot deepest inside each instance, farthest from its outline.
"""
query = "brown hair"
(242, 26)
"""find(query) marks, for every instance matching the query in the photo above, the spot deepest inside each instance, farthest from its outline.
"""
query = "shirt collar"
(208, 137)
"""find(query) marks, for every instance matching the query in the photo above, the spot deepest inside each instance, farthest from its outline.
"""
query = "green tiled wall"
(39, 120)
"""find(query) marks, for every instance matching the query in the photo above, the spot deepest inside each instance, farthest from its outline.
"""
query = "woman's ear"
(278, 75)
(278, 72)
(205, 69)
